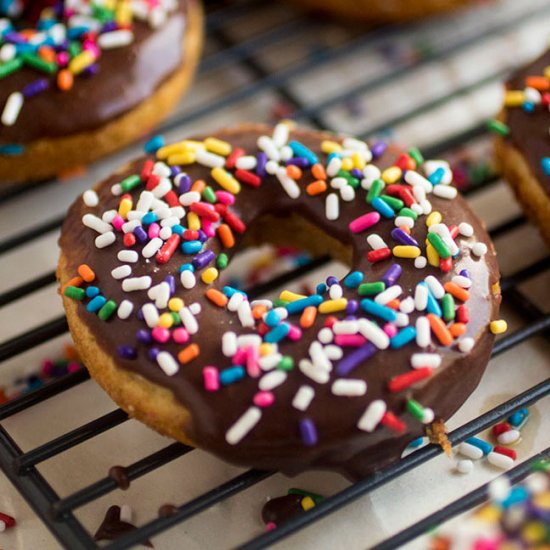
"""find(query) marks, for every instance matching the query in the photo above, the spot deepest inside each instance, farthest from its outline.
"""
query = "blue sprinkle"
(545, 163)
(187, 267)
(231, 375)
(191, 247)
(484, 446)
(300, 150)
(378, 310)
(517, 495)
(154, 144)
(92, 291)
(149, 218)
(528, 106)
(382, 207)
(96, 304)
(403, 337)
(433, 305)
(11, 150)
(321, 288)
(272, 318)
(437, 175)
(277, 334)
(517, 419)
(354, 279)
(415, 443)
(299, 305)
(178, 229)
(229, 291)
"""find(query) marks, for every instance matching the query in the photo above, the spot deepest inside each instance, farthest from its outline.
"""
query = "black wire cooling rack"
(21, 467)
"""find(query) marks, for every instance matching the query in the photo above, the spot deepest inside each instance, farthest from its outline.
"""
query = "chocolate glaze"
(127, 76)
(529, 131)
(112, 527)
(275, 442)
(281, 509)
(119, 474)
(167, 510)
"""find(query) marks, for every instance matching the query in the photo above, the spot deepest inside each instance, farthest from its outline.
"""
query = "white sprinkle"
(465, 345)
(188, 320)
(286, 153)
(420, 262)
(272, 379)
(150, 315)
(282, 312)
(280, 135)
(247, 162)
(243, 425)
(12, 108)
(126, 513)
(419, 360)
(500, 461)
(135, 215)
(436, 288)
(334, 353)
(404, 221)
(289, 185)
(165, 233)
(349, 387)
(509, 437)
(479, 249)
(116, 190)
(129, 227)
(248, 340)
(401, 319)
(229, 343)
(244, 313)
(269, 362)
(423, 337)
(167, 363)
(537, 483)
(417, 209)
(115, 39)
(164, 186)
(235, 301)
(195, 308)
(152, 247)
(430, 166)
(334, 166)
(421, 297)
(145, 201)
(319, 357)
(90, 198)
(443, 231)
(187, 278)
(271, 167)
(189, 198)
(445, 191)
(107, 239)
(206, 158)
(370, 173)
(407, 305)
(95, 223)
(426, 207)
(109, 215)
(335, 292)
(464, 466)
(354, 144)
(266, 144)
(121, 272)
(373, 333)
(162, 212)
(136, 283)
(303, 397)
(465, 229)
(372, 416)
(461, 281)
(499, 488)
(345, 327)
(161, 294)
(376, 242)
(347, 193)
(325, 335)
(419, 193)
(169, 222)
(125, 309)
(332, 207)
(388, 295)
(7, 51)
(161, 169)
(470, 451)
(338, 182)
(321, 376)
(427, 416)
(415, 179)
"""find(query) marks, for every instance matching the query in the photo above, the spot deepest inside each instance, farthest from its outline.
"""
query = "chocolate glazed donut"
(331, 425)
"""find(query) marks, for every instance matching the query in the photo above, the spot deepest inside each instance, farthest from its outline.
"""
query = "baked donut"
(523, 143)
(79, 80)
(342, 379)
(381, 10)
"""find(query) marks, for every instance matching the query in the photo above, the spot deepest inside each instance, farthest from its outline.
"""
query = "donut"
(521, 145)
(380, 10)
(78, 82)
(342, 378)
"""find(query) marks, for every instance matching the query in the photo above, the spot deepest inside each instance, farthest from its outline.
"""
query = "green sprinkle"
(286, 363)
(407, 212)
(375, 190)
(74, 49)
(371, 289)
(541, 465)
(313, 496)
(280, 303)
(176, 316)
(130, 182)
(448, 307)
(222, 260)
(208, 195)
(498, 127)
(10, 66)
(416, 155)
(107, 310)
(394, 202)
(415, 409)
(75, 292)
(440, 247)
(39, 64)
(354, 182)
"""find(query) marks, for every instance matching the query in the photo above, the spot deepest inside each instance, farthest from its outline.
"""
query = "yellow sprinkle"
(347, 164)
(226, 180)
(175, 304)
(534, 532)
(81, 61)
(542, 500)
(332, 306)
(289, 296)
(433, 218)
(328, 147)
(358, 160)
(172, 149)
(406, 251)
(193, 221)
(307, 503)
(432, 255)
(192, 145)
(499, 326)
(392, 174)
(547, 71)
(489, 513)
(514, 98)
(495, 288)
(266, 349)
(124, 207)
(188, 157)
(166, 320)
(209, 275)
(217, 146)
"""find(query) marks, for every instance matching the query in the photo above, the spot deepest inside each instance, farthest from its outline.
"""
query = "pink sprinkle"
(252, 366)
(486, 544)
(211, 379)
(180, 335)
(364, 222)
(62, 59)
(73, 366)
(208, 227)
(270, 526)
(390, 329)
(295, 333)
(240, 357)
(329, 321)
(160, 334)
(47, 367)
(349, 340)
(118, 222)
(154, 230)
(225, 197)
(264, 399)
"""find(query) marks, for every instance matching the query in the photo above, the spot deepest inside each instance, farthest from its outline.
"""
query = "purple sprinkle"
(391, 276)
(378, 149)
(203, 237)
(109, 26)
(355, 358)
(141, 234)
(465, 273)
(308, 432)
(153, 352)
(403, 238)
(352, 307)
(261, 162)
(14, 37)
(331, 280)
(90, 70)
(34, 88)
(356, 173)
(184, 184)
(144, 336)
(301, 162)
(127, 352)
(171, 280)
(203, 259)
(174, 171)
(140, 315)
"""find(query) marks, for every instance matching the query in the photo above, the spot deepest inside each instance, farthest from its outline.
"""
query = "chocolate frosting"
(127, 76)
(275, 442)
(112, 527)
(529, 131)
(281, 509)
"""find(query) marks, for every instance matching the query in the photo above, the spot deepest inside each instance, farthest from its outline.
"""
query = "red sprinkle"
(248, 177)
(8, 520)
(171, 198)
(233, 157)
(191, 235)
(205, 210)
(168, 248)
(462, 314)
(405, 162)
(330, 320)
(453, 230)
(378, 255)
(501, 428)
(393, 423)
(506, 451)
(147, 169)
(446, 265)
(234, 222)
(152, 182)
(407, 197)
(129, 240)
(404, 381)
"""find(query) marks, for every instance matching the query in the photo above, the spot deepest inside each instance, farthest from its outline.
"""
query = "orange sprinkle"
(47, 53)
(308, 316)
(318, 171)
(540, 83)
(258, 312)
(406, 229)
(394, 304)
(226, 236)
(457, 329)
(440, 329)
(457, 291)
(85, 271)
(65, 80)
(217, 297)
(189, 353)
(198, 186)
(75, 281)
(316, 187)
(294, 172)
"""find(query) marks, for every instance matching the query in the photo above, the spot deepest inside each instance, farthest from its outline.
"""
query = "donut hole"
(276, 245)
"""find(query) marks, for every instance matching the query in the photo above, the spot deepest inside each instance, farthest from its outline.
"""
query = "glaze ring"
(284, 431)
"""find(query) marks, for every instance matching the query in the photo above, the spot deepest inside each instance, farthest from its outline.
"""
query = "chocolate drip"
(120, 475)
(112, 527)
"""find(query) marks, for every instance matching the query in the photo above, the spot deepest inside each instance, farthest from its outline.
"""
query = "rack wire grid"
(432, 84)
